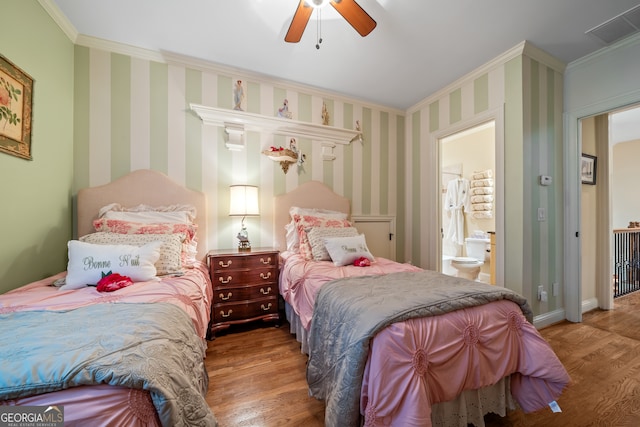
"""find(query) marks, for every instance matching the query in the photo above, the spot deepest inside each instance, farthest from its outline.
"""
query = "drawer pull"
(222, 297)
(222, 264)
(267, 262)
(267, 292)
(226, 315)
(267, 276)
(225, 281)
(267, 308)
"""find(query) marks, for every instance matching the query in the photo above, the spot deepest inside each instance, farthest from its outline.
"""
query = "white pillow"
(345, 250)
(188, 210)
(88, 262)
(149, 217)
(323, 213)
(170, 261)
(316, 239)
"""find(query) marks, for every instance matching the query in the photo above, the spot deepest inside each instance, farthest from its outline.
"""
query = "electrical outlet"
(540, 291)
(554, 289)
(543, 296)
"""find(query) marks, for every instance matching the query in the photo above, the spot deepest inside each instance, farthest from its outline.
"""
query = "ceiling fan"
(349, 9)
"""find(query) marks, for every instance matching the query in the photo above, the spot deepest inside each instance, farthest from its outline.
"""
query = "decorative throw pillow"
(170, 261)
(345, 250)
(292, 237)
(307, 222)
(88, 262)
(189, 247)
(316, 239)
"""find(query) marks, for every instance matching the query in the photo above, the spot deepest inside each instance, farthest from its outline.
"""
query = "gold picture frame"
(16, 98)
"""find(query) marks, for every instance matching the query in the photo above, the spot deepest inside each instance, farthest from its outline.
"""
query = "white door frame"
(572, 201)
(435, 211)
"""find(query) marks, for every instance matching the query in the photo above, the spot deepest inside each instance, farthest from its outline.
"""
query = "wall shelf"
(226, 118)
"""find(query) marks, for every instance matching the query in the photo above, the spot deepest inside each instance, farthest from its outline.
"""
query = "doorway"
(468, 197)
(610, 204)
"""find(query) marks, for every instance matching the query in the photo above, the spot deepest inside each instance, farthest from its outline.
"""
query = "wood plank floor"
(257, 375)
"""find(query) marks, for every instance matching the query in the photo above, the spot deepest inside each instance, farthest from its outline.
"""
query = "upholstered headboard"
(312, 194)
(142, 186)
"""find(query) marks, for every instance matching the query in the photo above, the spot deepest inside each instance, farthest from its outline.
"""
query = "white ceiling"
(417, 48)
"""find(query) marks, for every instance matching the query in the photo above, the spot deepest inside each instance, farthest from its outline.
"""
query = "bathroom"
(468, 204)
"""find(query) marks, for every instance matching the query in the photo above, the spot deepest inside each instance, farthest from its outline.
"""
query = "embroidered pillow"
(345, 250)
(88, 262)
(170, 261)
(307, 222)
(316, 239)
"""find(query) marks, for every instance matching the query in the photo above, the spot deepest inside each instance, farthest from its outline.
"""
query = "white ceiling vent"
(617, 28)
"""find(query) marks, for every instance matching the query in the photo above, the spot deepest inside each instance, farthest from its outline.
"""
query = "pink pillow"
(304, 223)
(189, 247)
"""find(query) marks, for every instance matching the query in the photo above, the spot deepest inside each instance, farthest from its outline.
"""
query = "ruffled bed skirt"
(470, 407)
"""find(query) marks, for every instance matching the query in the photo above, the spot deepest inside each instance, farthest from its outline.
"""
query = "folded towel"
(482, 174)
(487, 182)
(483, 198)
(482, 215)
(481, 190)
(481, 206)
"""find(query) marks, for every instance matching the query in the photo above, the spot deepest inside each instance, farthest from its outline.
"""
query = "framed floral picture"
(16, 95)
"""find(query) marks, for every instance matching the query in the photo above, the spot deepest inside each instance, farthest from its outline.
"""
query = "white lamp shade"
(243, 200)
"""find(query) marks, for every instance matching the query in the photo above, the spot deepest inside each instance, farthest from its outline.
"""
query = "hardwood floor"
(257, 375)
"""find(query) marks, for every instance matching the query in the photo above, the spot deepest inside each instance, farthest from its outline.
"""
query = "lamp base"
(244, 246)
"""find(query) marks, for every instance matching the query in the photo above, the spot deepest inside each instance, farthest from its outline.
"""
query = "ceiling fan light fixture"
(317, 3)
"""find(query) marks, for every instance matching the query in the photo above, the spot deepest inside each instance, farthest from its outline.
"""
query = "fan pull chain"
(319, 28)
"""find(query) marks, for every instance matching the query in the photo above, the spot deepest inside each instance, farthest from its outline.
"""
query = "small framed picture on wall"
(588, 169)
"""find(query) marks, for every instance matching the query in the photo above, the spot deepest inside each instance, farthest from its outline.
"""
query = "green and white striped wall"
(524, 87)
(131, 112)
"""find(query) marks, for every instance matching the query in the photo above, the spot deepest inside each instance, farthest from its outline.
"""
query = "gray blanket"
(145, 346)
(349, 312)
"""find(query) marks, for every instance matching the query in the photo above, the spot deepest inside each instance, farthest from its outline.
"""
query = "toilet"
(469, 267)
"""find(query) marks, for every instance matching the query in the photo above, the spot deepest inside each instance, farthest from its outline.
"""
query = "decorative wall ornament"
(16, 94)
(286, 156)
(284, 110)
(325, 115)
(238, 95)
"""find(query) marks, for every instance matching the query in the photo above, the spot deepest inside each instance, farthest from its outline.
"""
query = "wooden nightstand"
(245, 287)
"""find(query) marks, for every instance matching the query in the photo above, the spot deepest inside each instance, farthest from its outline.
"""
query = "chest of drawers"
(245, 287)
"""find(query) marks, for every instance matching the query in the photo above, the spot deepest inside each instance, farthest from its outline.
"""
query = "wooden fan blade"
(355, 15)
(298, 23)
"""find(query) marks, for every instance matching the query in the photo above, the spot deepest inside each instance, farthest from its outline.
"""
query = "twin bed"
(131, 357)
(391, 344)
(388, 343)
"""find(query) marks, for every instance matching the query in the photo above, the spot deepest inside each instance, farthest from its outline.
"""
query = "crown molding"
(59, 18)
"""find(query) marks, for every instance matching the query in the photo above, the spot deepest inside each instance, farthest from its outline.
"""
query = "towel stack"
(482, 194)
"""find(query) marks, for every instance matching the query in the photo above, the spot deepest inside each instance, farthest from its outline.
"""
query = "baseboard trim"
(547, 319)
(589, 304)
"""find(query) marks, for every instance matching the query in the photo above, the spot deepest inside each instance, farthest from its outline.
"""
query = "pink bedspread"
(104, 404)
(192, 292)
(420, 362)
(300, 280)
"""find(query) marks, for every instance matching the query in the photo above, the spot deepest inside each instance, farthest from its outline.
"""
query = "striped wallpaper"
(132, 113)
(529, 95)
